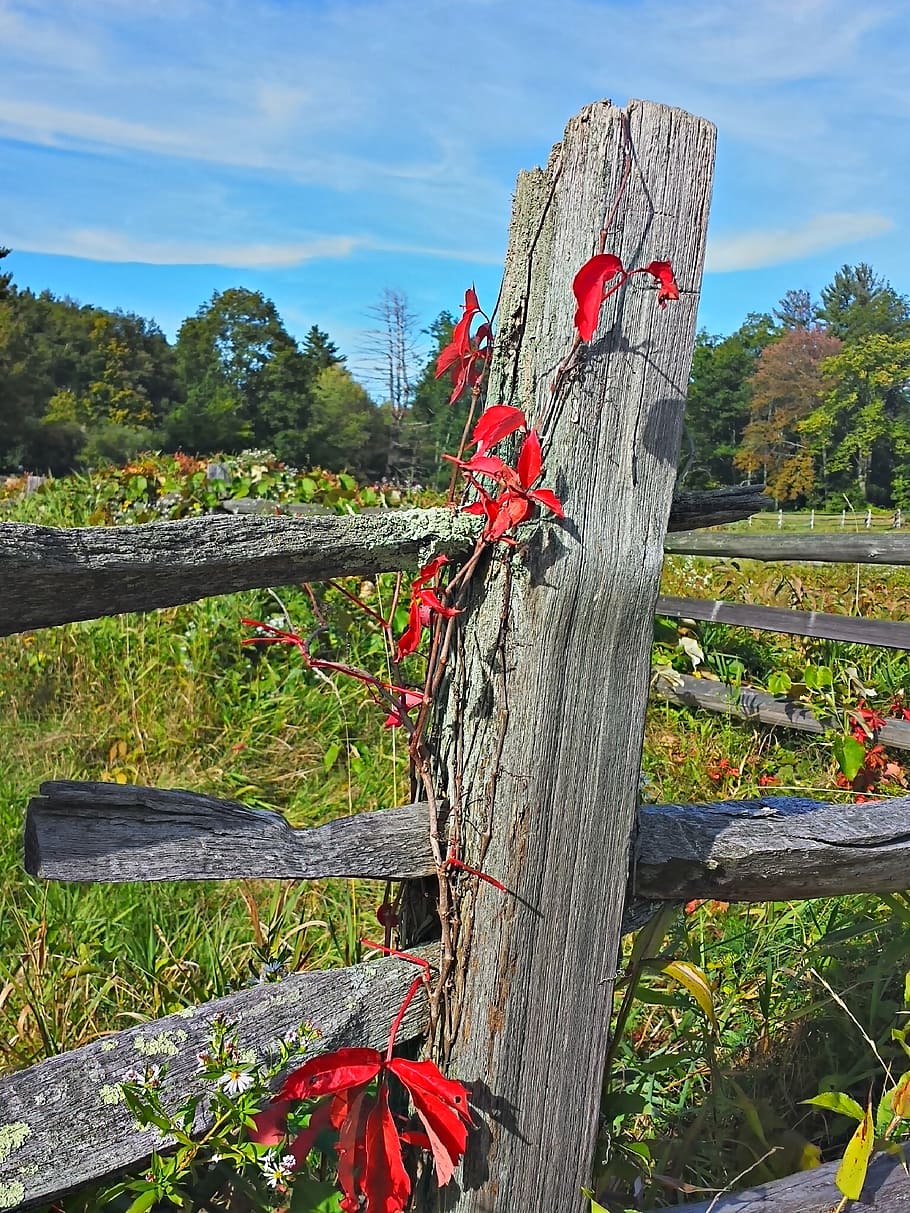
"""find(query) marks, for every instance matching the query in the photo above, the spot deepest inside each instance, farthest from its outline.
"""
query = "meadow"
(804, 997)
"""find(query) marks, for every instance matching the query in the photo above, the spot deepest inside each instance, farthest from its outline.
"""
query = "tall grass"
(170, 699)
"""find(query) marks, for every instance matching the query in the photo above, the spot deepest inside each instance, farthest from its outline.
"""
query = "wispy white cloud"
(97, 244)
(757, 249)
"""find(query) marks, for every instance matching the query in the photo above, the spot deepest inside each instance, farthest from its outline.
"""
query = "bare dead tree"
(392, 359)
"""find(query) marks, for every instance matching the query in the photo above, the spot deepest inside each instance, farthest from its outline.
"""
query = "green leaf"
(779, 683)
(595, 1207)
(849, 754)
(836, 1101)
(310, 1196)
(851, 1174)
(330, 757)
(143, 1202)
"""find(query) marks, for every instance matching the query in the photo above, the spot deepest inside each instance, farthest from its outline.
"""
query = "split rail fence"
(540, 725)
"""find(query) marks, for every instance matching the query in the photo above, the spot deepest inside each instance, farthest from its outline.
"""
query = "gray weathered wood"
(880, 632)
(759, 706)
(771, 849)
(114, 832)
(55, 575)
(50, 575)
(887, 1190)
(714, 507)
(63, 1122)
(841, 548)
(544, 713)
(774, 849)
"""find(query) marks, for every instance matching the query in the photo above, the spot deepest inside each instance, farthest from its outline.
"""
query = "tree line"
(81, 385)
(812, 401)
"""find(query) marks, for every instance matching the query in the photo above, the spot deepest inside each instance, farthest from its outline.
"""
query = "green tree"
(795, 311)
(864, 419)
(346, 431)
(66, 369)
(320, 351)
(245, 378)
(858, 303)
(717, 407)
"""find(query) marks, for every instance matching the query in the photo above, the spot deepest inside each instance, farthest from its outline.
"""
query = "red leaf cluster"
(589, 287)
(370, 1164)
(517, 497)
(424, 602)
(466, 356)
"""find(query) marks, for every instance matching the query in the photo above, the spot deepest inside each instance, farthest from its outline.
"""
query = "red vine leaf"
(496, 423)
(385, 1185)
(338, 1071)
(588, 288)
(530, 460)
(464, 356)
(370, 1165)
(424, 601)
(663, 272)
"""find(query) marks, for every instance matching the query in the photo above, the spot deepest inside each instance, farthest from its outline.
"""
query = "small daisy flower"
(277, 1174)
(235, 1080)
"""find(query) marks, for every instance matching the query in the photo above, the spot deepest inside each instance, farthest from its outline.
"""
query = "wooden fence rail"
(850, 630)
(750, 704)
(56, 575)
(886, 1190)
(64, 1122)
(772, 849)
(860, 548)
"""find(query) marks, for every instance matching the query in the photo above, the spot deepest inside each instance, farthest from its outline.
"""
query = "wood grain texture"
(882, 633)
(714, 507)
(549, 677)
(778, 848)
(759, 706)
(67, 1114)
(773, 849)
(50, 575)
(827, 549)
(113, 832)
(56, 575)
(887, 1190)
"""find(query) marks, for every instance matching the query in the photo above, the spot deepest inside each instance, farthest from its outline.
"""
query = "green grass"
(172, 699)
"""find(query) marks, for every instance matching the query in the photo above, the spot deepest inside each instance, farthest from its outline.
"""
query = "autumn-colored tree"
(787, 385)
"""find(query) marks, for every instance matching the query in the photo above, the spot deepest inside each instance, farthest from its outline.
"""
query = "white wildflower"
(235, 1080)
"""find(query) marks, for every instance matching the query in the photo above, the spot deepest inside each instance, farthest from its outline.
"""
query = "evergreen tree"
(858, 303)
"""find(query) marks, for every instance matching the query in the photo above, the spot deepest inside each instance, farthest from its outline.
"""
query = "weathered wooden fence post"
(539, 747)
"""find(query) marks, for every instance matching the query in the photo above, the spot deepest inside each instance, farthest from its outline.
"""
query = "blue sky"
(319, 151)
